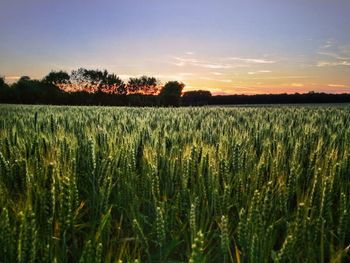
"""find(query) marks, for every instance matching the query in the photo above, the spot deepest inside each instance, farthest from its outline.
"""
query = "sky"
(225, 46)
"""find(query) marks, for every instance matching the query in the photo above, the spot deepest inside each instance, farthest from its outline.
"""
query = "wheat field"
(238, 184)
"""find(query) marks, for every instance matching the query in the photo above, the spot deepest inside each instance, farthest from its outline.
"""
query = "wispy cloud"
(181, 61)
(179, 64)
(330, 64)
(297, 85)
(219, 63)
(184, 61)
(333, 55)
(217, 73)
(338, 55)
(215, 66)
(281, 77)
(252, 60)
(336, 85)
(216, 79)
(259, 72)
(329, 43)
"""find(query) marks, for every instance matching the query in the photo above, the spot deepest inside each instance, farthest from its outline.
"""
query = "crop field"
(237, 184)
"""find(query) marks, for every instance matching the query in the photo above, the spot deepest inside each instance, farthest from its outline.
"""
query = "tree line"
(91, 87)
(99, 87)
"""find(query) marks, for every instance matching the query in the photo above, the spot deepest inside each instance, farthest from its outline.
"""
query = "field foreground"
(93, 184)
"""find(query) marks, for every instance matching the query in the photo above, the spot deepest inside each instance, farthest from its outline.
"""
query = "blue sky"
(225, 46)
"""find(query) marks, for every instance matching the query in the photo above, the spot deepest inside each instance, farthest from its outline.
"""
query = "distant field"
(234, 184)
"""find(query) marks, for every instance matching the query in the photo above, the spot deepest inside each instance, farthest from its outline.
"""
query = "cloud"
(181, 61)
(217, 73)
(297, 85)
(336, 85)
(333, 55)
(190, 53)
(179, 64)
(332, 64)
(215, 66)
(258, 72)
(281, 77)
(345, 49)
(252, 60)
(329, 43)
(338, 55)
(327, 46)
(218, 63)
(216, 80)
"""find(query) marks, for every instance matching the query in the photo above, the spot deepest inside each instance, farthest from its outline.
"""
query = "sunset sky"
(225, 46)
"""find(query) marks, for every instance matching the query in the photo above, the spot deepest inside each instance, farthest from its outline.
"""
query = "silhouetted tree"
(2, 82)
(97, 81)
(134, 85)
(96, 78)
(114, 85)
(3, 90)
(30, 91)
(78, 76)
(171, 92)
(196, 97)
(81, 81)
(24, 78)
(143, 85)
(57, 78)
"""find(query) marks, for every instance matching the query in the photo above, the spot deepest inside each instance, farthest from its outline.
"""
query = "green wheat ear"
(343, 218)
(224, 234)
(193, 223)
(160, 226)
(197, 248)
(7, 243)
(287, 249)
